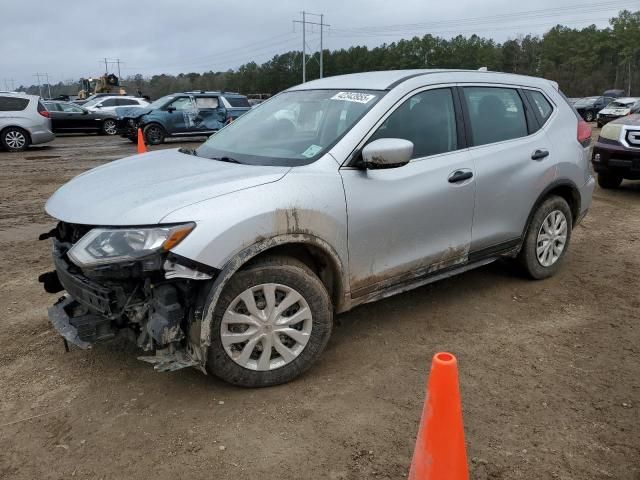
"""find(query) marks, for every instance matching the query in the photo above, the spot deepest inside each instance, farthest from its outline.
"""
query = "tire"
(256, 369)
(14, 139)
(154, 134)
(588, 116)
(109, 127)
(609, 180)
(550, 262)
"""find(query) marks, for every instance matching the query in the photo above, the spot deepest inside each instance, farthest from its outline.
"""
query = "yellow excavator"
(107, 83)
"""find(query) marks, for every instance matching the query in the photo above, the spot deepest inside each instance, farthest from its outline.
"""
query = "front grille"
(96, 297)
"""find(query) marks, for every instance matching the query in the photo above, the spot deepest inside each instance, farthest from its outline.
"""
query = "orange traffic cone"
(142, 148)
(440, 451)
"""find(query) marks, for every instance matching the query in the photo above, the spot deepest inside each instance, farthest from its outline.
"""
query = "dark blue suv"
(181, 115)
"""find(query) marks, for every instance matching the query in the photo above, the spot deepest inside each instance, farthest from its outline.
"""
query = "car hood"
(633, 120)
(132, 112)
(143, 189)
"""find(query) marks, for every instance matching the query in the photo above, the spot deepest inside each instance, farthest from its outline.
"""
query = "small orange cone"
(440, 451)
(142, 148)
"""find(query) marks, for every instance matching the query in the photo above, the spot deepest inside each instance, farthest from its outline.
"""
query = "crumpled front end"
(153, 300)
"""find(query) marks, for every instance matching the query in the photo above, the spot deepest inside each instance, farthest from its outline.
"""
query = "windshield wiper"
(226, 159)
(188, 151)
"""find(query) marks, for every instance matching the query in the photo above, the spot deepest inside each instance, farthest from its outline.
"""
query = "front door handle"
(460, 176)
(539, 154)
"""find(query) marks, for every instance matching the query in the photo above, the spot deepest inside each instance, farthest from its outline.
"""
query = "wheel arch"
(315, 252)
(563, 188)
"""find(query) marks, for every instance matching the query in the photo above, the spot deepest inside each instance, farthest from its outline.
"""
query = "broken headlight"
(112, 245)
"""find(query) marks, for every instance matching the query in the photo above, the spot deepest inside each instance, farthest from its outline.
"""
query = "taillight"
(584, 133)
(42, 110)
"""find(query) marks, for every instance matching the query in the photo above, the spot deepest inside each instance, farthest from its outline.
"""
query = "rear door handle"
(539, 154)
(460, 176)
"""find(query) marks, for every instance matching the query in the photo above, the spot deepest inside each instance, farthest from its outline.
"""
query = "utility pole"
(106, 67)
(48, 84)
(38, 75)
(304, 23)
(629, 87)
(6, 84)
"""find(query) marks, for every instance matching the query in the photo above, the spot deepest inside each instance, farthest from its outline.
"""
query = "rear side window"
(540, 103)
(109, 102)
(238, 102)
(206, 102)
(496, 114)
(13, 104)
(427, 119)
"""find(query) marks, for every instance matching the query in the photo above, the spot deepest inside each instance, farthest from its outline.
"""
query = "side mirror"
(98, 106)
(171, 109)
(387, 153)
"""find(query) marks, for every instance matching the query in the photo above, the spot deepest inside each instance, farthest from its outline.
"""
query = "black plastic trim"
(192, 264)
(495, 250)
(545, 193)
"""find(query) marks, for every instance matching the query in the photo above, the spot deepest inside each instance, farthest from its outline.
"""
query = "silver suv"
(234, 257)
(24, 121)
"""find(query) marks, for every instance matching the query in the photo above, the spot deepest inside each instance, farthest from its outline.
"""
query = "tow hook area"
(76, 325)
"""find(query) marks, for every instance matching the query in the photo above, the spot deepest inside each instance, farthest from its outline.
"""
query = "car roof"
(388, 79)
(20, 94)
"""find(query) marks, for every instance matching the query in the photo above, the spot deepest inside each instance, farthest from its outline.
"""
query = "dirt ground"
(549, 370)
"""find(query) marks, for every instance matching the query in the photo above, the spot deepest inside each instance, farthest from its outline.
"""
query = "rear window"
(238, 102)
(13, 104)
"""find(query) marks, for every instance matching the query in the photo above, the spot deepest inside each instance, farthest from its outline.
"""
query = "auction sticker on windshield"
(311, 151)
(353, 97)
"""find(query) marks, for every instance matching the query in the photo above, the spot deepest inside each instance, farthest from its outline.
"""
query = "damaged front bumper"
(154, 300)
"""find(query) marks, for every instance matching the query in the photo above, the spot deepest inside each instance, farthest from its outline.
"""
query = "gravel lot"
(549, 370)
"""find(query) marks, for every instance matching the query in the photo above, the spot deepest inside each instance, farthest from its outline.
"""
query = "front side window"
(67, 107)
(293, 128)
(52, 107)
(181, 103)
(13, 104)
(109, 102)
(496, 114)
(123, 102)
(427, 119)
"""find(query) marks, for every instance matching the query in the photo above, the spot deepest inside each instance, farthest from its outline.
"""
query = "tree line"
(583, 61)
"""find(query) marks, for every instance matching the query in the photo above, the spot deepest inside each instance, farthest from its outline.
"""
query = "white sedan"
(109, 104)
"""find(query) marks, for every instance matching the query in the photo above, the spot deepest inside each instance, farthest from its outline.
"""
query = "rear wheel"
(547, 238)
(609, 180)
(154, 134)
(271, 323)
(14, 139)
(109, 127)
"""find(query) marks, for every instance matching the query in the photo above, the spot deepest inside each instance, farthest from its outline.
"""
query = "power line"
(490, 19)
(304, 23)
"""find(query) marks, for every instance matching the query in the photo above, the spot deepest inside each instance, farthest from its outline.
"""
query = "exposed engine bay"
(153, 300)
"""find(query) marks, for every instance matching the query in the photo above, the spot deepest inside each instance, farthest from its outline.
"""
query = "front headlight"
(611, 131)
(112, 245)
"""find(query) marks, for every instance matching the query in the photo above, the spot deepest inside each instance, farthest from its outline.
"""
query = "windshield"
(161, 101)
(585, 101)
(292, 128)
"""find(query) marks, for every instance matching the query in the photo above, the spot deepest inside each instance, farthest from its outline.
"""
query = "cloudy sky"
(69, 39)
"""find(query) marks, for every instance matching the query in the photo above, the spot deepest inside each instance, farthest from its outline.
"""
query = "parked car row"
(28, 120)
(603, 109)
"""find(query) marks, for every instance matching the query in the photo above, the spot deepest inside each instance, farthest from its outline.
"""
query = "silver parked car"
(24, 121)
(234, 257)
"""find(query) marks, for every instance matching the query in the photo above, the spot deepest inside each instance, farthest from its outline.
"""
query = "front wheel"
(271, 323)
(547, 238)
(588, 116)
(154, 134)
(109, 127)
